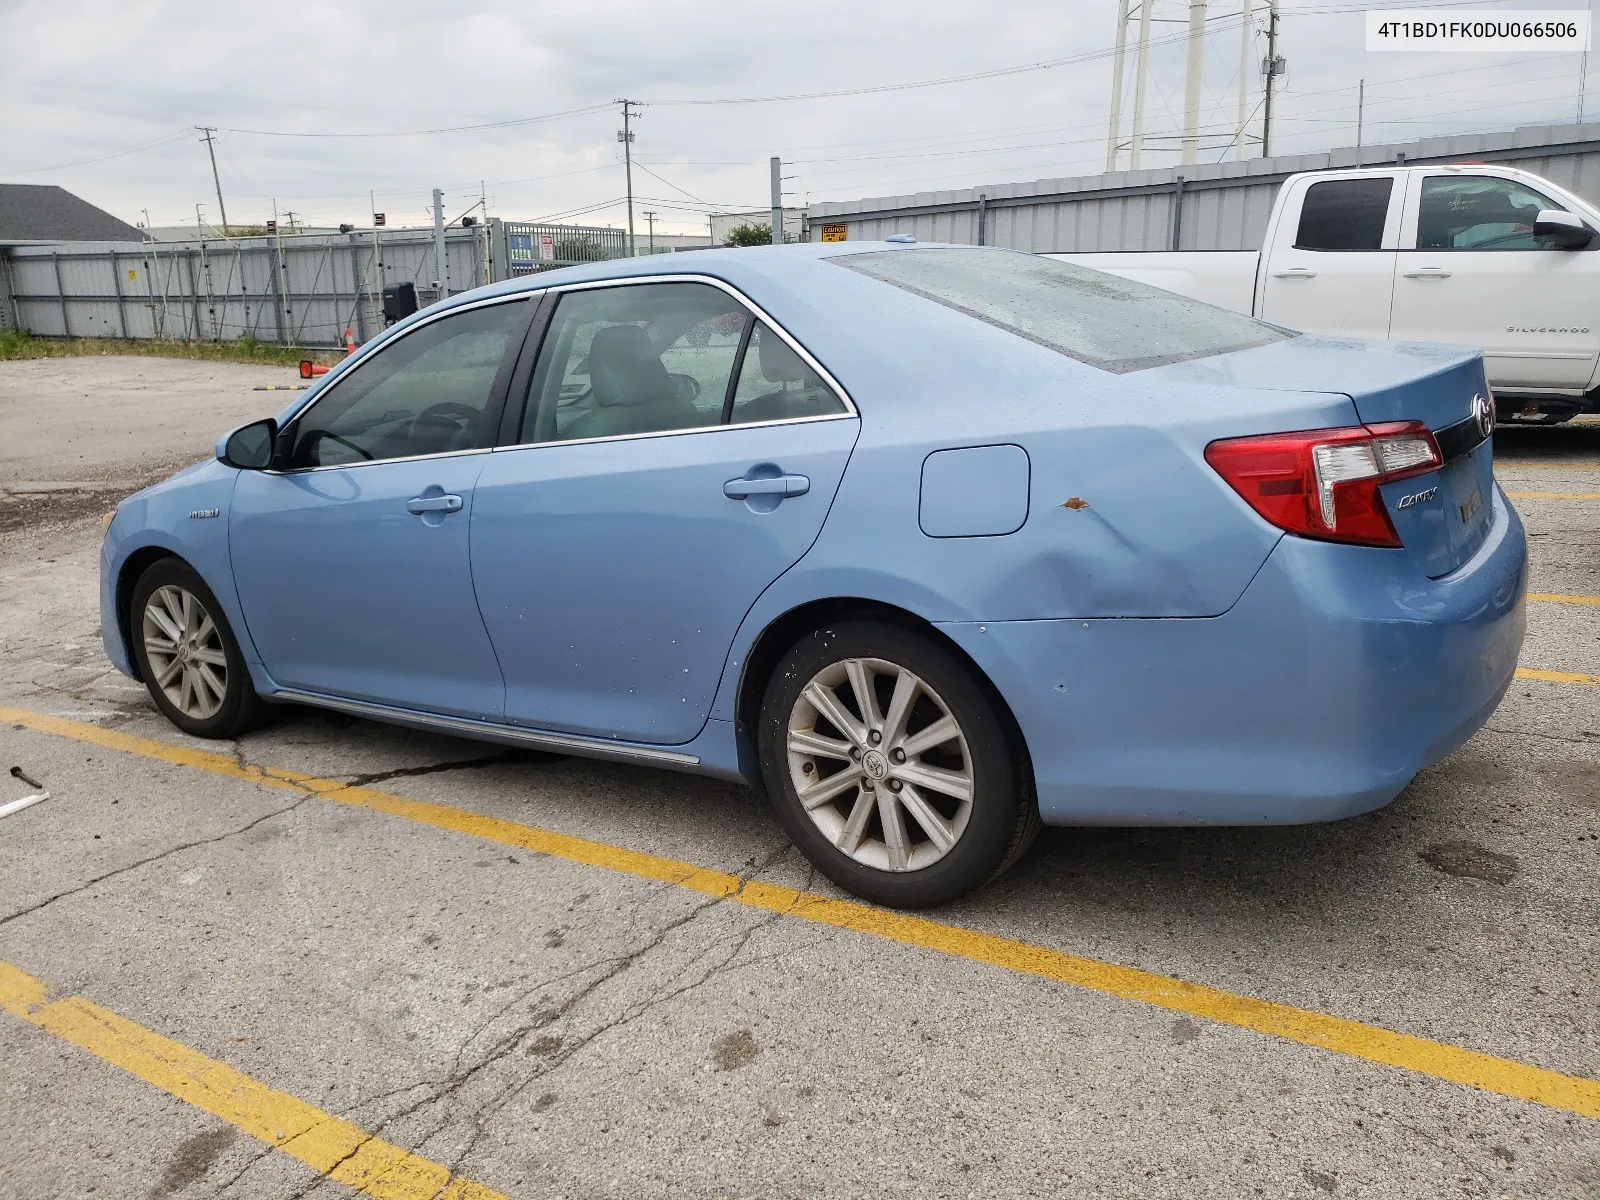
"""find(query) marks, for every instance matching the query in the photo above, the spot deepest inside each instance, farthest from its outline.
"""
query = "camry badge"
(1483, 414)
(1417, 497)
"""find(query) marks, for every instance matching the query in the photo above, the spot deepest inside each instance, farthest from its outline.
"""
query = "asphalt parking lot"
(336, 958)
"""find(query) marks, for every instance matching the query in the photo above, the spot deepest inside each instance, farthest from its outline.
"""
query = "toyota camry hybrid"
(933, 543)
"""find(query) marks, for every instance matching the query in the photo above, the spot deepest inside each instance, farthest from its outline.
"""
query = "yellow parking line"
(325, 1143)
(1505, 1077)
(1557, 676)
(1554, 495)
(1563, 598)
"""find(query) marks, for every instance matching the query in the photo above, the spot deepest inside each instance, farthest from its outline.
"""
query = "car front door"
(351, 559)
(675, 455)
(1330, 268)
(1475, 273)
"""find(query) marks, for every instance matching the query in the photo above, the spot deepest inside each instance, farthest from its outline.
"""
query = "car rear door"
(1473, 272)
(676, 454)
(1330, 268)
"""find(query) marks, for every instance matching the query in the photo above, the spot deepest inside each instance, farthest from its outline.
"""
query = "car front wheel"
(890, 767)
(188, 655)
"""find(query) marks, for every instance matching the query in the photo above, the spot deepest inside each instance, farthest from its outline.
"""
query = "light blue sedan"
(933, 543)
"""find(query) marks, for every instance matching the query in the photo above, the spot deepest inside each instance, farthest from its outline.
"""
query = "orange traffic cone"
(349, 342)
(310, 370)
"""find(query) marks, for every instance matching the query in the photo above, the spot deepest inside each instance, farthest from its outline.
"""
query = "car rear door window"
(633, 359)
(1111, 323)
(776, 384)
(429, 392)
(1479, 212)
(1344, 214)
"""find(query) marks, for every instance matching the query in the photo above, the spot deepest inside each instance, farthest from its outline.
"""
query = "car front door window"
(428, 393)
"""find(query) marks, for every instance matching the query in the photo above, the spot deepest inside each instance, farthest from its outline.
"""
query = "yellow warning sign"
(133, 275)
(835, 233)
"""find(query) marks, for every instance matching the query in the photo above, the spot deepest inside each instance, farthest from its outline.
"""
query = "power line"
(506, 124)
(165, 139)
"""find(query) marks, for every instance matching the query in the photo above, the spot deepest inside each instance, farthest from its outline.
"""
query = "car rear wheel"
(890, 767)
(188, 655)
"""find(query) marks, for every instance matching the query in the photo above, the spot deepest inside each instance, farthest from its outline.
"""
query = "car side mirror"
(249, 447)
(1566, 231)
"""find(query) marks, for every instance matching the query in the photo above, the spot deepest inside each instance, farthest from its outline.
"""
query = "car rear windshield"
(1107, 322)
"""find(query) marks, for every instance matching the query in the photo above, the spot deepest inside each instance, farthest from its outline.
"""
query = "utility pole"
(1274, 68)
(1246, 33)
(210, 132)
(1361, 113)
(1191, 87)
(651, 218)
(777, 201)
(625, 136)
(443, 282)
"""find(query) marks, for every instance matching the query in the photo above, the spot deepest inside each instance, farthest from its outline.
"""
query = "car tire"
(187, 654)
(881, 803)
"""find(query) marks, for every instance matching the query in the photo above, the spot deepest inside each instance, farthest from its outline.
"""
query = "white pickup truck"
(1485, 255)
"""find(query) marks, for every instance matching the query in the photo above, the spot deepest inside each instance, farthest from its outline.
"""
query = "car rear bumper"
(1341, 672)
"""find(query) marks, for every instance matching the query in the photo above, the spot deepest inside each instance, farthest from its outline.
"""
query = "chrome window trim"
(761, 314)
(378, 462)
(325, 392)
(514, 735)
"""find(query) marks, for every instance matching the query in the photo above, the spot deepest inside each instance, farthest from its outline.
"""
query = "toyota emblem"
(1483, 414)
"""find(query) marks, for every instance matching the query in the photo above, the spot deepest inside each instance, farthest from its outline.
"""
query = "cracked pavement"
(553, 1029)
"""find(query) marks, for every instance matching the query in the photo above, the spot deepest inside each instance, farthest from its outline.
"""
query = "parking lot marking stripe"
(1341, 1035)
(325, 1143)
(1554, 495)
(1563, 598)
(1557, 676)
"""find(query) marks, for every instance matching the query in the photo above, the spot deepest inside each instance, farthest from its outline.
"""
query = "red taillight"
(1323, 483)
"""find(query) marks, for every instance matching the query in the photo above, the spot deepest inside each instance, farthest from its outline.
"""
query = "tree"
(749, 235)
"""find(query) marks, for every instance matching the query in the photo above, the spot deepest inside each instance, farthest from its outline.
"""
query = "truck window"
(1344, 214)
(1478, 212)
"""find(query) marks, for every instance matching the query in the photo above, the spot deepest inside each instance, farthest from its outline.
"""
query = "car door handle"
(418, 505)
(781, 485)
(1295, 273)
(1428, 273)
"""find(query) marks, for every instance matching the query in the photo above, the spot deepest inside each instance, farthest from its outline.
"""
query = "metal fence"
(1214, 206)
(532, 248)
(303, 290)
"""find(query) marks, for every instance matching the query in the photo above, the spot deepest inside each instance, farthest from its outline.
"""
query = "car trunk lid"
(1441, 517)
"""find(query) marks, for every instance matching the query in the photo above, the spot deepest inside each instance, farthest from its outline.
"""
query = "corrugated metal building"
(1219, 206)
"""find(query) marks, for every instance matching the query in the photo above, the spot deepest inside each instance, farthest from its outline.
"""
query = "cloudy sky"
(318, 104)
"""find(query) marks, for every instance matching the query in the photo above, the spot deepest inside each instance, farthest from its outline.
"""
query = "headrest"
(625, 369)
(779, 363)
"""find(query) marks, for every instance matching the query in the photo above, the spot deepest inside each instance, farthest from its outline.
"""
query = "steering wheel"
(315, 437)
(467, 415)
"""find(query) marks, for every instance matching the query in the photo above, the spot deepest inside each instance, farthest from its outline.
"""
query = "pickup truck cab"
(1487, 256)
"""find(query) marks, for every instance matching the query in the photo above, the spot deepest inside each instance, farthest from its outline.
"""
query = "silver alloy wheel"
(184, 649)
(880, 764)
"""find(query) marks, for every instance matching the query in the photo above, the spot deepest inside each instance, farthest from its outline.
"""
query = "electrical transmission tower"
(1137, 17)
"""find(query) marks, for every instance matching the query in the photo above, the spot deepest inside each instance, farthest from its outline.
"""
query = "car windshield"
(1107, 322)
